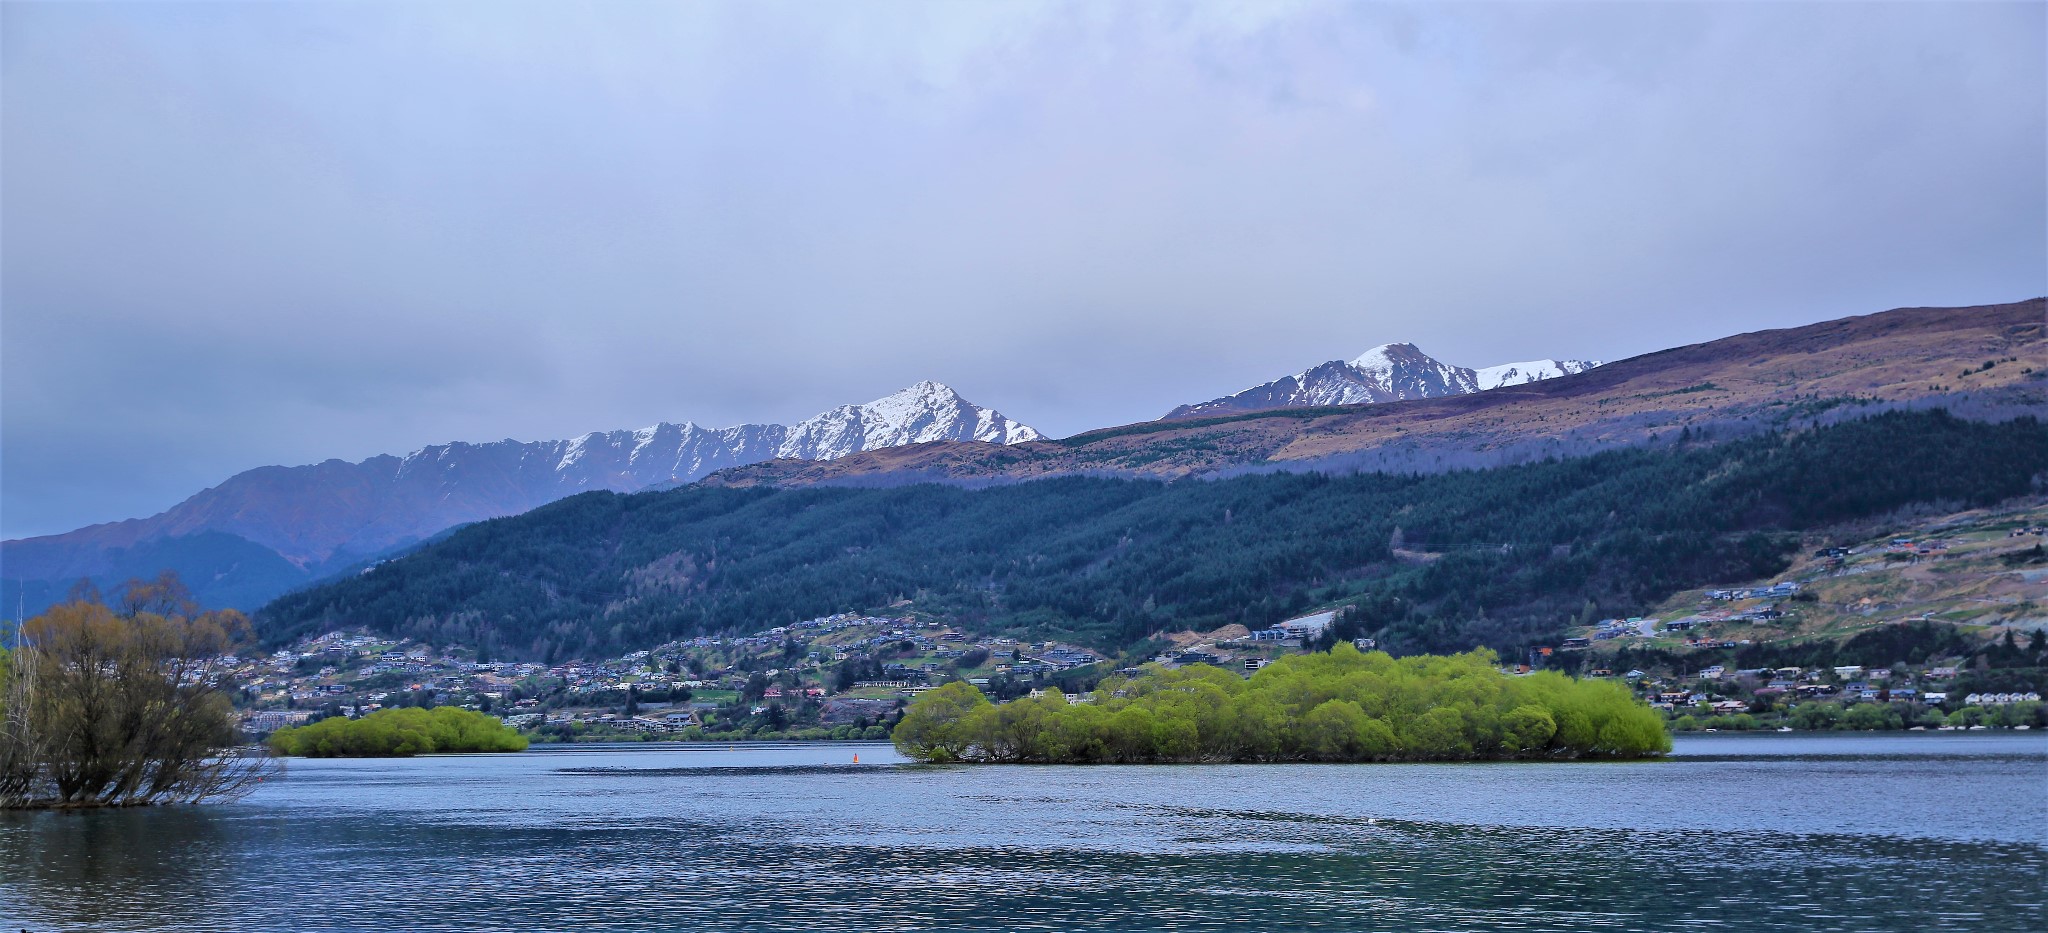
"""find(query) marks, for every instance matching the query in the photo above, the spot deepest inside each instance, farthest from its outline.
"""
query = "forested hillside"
(1444, 562)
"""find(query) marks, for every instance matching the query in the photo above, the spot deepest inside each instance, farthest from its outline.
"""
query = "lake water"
(1756, 832)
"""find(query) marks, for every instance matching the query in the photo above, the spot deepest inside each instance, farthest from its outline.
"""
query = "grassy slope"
(1983, 582)
(1738, 384)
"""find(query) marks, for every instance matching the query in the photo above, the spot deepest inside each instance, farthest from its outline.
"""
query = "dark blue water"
(1770, 832)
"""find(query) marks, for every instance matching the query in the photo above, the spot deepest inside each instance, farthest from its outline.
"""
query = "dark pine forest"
(1501, 557)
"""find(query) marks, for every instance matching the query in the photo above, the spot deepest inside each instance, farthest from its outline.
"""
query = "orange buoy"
(856, 758)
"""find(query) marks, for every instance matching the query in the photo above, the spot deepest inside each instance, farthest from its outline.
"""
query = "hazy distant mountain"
(265, 530)
(1396, 372)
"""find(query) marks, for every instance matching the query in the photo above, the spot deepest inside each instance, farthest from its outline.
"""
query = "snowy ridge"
(1514, 374)
(680, 453)
(927, 411)
(1390, 373)
(311, 514)
(669, 453)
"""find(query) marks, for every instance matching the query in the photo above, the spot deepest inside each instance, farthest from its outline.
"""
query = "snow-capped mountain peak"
(1400, 371)
(1388, 373)
(336, 511)
(924, 412)
(1389, 356)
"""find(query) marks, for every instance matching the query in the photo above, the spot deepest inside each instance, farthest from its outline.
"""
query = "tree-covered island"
(399, 733)
(1344, 705)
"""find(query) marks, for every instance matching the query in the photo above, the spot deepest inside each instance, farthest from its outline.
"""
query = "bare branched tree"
(123, 706)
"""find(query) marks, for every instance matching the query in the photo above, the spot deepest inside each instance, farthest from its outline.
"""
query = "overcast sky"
(241, 234)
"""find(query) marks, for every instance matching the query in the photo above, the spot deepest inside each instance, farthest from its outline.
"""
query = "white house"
(1308, 626)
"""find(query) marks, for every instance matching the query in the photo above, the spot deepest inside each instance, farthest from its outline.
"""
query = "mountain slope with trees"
(1444, 562)
(267, 530)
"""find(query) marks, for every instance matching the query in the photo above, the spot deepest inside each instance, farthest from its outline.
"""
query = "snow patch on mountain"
(311, 514)
(678, 453)
(925, 412)
(1390, 373)
(1514, 374)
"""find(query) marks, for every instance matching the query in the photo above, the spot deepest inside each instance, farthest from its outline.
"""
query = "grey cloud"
(244, 234)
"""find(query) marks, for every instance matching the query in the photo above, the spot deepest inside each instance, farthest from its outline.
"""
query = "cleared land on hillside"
(1965, 569)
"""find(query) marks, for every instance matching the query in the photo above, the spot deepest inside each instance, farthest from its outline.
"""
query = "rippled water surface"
(1770, 832)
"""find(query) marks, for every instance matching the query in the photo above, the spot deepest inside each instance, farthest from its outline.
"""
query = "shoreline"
(591, 747)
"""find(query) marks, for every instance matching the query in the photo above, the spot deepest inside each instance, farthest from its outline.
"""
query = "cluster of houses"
(846, 636)
(1296, 631)
(359, 673)
(356, 671)
(1921, 548)
(1717, 642)
(2001, 699)
(265, 721)
(1254, 650)
(1717, 685)
(1610, 629)
(662, 723)
(1784, 590)
(1764, 604)
(826, 642)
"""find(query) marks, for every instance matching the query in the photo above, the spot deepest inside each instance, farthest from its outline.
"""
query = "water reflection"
(778, 839)
(153, 860)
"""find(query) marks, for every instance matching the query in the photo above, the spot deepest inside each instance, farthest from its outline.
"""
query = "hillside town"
(1943, 618)
(1931, 614)
(840, 676)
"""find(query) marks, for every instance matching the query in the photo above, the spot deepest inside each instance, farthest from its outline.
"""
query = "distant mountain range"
(266, 530)
(1419, 560)
(1395, 372)
(1981, 362)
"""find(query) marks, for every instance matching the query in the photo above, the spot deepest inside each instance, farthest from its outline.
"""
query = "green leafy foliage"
(1337, 706)
(399, 733)
(1507, 556)
(2005, 665)
(1898, 715)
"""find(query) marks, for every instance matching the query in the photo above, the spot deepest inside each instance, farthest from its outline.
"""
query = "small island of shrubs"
(399, 733)
(1343, 705)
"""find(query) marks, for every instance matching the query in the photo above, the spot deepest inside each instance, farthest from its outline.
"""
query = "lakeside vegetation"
(399, 733)
(1343, 705)
(1503, 557)
(118, 706)
(1869, 717)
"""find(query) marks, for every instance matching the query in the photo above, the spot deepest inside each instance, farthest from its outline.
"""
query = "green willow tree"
(1338, 706)
(122, 706)
(399, 733)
